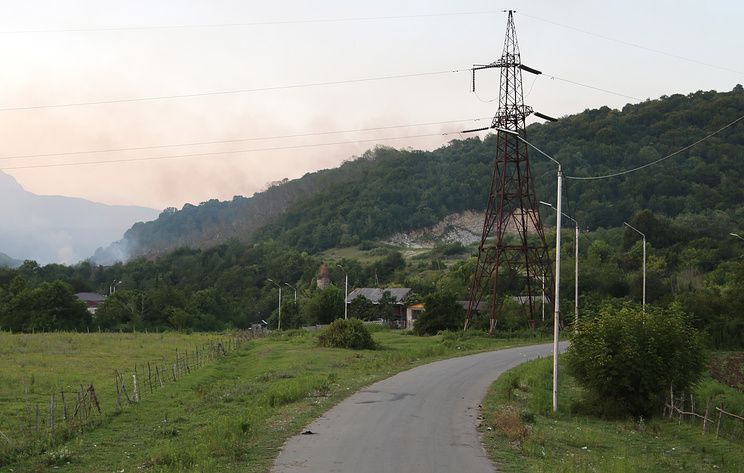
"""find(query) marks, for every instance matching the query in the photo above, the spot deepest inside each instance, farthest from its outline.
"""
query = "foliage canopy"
(627, 360)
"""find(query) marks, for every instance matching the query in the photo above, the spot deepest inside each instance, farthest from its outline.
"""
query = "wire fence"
(725, 424)
(70, 412)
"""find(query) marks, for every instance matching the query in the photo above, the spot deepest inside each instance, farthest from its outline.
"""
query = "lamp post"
(346, 291)
(112, 286)
(736, 235)
(644, 263)
(279, 323)
(295, 289)
(576, 266)
(556, 301)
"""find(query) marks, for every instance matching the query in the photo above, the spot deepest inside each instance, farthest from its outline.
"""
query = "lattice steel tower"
(516, 265)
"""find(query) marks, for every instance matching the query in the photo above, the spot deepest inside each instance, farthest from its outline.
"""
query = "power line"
(660, 159)
(594, 88)
(250, 24)
(276, 148)
(202, 143)
(227, 92)
(626, 43)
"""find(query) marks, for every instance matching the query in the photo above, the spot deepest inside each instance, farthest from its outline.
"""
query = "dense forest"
(387, 190)
(226, 263)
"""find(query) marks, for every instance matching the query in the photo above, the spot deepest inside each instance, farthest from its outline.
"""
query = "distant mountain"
(387, 191)
(56, 229)
(9, 262)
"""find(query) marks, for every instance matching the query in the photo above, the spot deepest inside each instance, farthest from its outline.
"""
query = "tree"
(386, 306)
(361, 308)
(441, 312)
(325, 306)
(626, 359)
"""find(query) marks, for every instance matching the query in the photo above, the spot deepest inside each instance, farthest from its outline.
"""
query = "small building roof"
(90, 296)
(374, 294)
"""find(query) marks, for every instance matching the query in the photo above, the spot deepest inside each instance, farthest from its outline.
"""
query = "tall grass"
(236, 412)
(525, 435)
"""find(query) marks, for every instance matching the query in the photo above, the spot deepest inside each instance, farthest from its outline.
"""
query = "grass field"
(235, 413)
(230, 415)
(521, 433)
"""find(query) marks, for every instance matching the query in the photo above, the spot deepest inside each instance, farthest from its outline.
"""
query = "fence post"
(671, 401)
(692, 401)
(118, 391)
(682, 408)
(720, 417)
(705, 419)
(64, 404)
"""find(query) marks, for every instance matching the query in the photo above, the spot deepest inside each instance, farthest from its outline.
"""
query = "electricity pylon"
(513, 259)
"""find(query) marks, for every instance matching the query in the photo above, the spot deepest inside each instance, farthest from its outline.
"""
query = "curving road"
(421, 420)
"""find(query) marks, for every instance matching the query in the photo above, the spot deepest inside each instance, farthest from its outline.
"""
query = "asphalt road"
(421, 420)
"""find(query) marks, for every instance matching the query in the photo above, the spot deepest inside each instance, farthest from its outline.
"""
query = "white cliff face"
(465, 227)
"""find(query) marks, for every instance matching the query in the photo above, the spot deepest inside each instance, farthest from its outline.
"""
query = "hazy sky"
(241, 93)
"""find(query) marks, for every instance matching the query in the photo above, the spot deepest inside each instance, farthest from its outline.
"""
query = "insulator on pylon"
(529, 69)
(545, 117)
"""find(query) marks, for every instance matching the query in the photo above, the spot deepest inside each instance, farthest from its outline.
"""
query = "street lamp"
(736, 235)
(279, 324)
(576, 267)
(556, 301)
(644, 263)
(295, 289)
(112, 287)
(346, 291)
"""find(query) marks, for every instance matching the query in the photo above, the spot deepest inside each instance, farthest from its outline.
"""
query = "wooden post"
(165, 369)
(93, 397)
(682, 408)
(157, 373)
(64, 403)
(692, 401)
(720, 417)
(135, 396)
(671, 401)
(84, 402)
(118, 391)
(705, 419)
(736, 426)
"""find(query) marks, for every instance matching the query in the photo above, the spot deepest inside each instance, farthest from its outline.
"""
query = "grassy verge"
(522, 434)
(235, 413)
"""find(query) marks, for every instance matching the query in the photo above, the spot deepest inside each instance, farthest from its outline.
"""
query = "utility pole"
(509, 262)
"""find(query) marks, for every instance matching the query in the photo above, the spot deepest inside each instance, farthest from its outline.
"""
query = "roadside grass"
(521, 433)
(235, 413)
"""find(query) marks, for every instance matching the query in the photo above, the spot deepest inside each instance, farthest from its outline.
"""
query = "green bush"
(441, 312)
(346, 333)
(627, 359)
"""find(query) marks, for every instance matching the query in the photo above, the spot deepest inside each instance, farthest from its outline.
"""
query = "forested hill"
(388, 190)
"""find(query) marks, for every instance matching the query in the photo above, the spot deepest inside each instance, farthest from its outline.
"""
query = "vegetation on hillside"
(687, 207)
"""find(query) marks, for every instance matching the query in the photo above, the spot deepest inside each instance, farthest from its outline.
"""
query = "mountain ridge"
(58, 229)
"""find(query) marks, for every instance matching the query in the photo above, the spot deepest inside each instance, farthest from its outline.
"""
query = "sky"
(163, 103)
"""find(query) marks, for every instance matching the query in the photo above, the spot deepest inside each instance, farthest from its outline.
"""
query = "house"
(91, 299)
(412, 313)
(398, 294)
